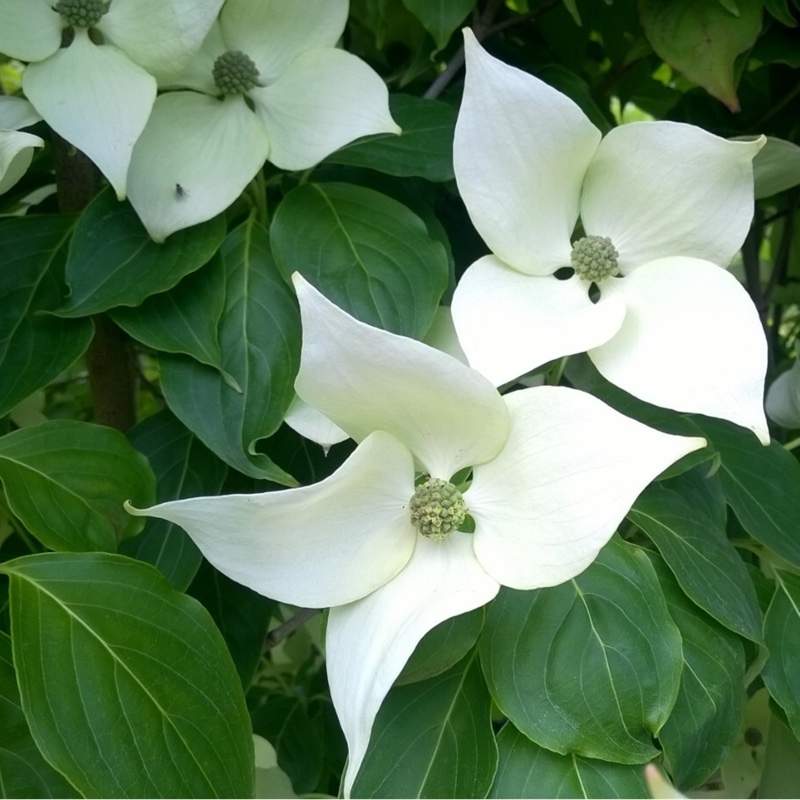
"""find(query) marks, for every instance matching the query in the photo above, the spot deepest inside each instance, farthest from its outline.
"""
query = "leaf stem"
(483, 27)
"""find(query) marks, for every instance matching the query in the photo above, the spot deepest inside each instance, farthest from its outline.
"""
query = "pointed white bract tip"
(131, 509)
(658, 786)
(695, 443)
(299, 281)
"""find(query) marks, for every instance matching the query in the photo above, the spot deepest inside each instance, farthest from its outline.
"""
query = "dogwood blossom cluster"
(258, 80)
(614, 246)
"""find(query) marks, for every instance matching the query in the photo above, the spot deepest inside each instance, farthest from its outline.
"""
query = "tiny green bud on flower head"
(594, 258)
(437, 508)
(235, 73)
(82, 13)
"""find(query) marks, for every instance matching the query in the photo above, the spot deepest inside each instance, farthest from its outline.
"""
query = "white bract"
(783, 398)
(16, 147)
(268, 83)
(661, 204)
(98, 96)
(554, 471)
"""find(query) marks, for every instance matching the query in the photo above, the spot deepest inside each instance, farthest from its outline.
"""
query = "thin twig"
(277, 635)
(483, 27)
(750, 261)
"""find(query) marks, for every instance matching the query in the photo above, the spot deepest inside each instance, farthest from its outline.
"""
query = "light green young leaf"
(702, 40)
(527, 770)
(126, 684)
(590, 667)
(67, 481)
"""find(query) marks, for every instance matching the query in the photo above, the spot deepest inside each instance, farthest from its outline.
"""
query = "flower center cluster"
(235, 73)
(437, 508)
(82, 13)
(594, 258)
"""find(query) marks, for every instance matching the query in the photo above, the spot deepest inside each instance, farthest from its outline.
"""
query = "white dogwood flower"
(661, 204)
(93, 64)
(16, 146)
(783, 398)
(554, 471)
(268, 83)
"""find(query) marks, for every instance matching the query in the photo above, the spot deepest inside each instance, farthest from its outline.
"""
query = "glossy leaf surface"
(591, 666)
(126, 684)
(67, 482)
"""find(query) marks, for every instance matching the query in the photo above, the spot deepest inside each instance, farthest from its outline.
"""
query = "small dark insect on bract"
(180, 192)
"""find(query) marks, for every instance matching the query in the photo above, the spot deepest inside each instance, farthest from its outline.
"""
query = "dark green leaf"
(184, 320)
(708, 713)
(183, 467)
(432, 739)
(701, 39)
(23, 770)
(444, 646)
(762, 485)
(242, 617)
(706, 564)
(113, 262)
(780, 10)
(424, 149)
(126, 684)
(284, 721)
(440, 17)
(577, 89)
(527, 770)
(591, 666)
(67, 482)
(702, 489)
(782, 634)
(259, 334)
(34, 347)
(364, 251)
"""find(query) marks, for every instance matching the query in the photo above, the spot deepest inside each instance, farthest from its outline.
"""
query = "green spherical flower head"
(235, 73)
(82, 13)
(437, 508)
(594, 258)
